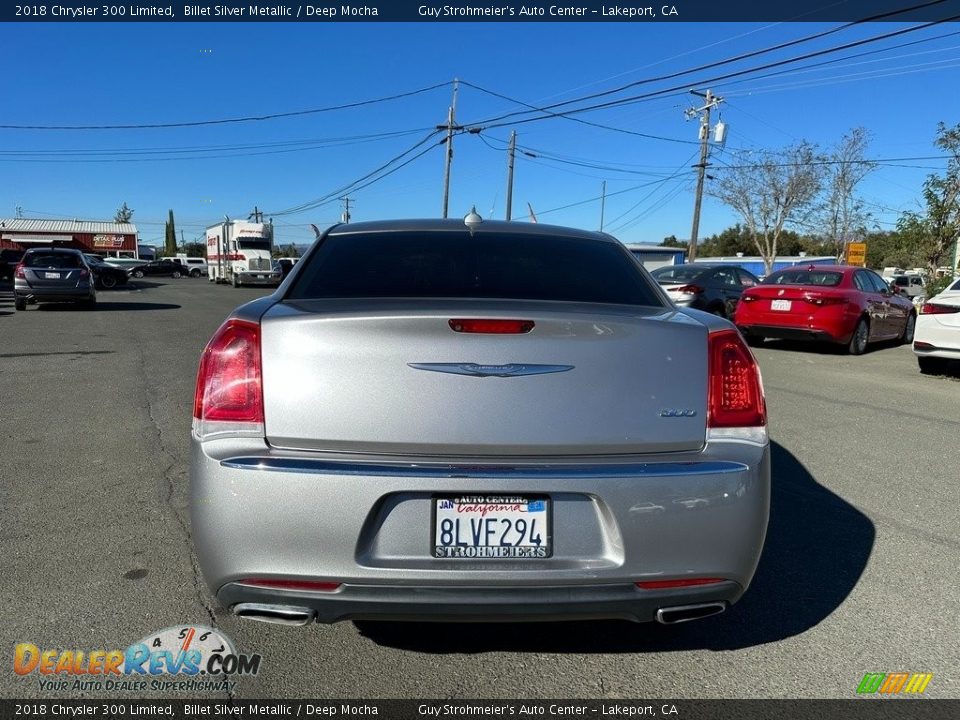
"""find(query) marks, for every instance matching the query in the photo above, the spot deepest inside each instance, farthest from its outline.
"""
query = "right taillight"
(687, 289)
(229, 393)
(937, 309)
(735, 389)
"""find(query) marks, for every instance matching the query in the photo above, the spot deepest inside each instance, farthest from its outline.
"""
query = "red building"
(103, 238)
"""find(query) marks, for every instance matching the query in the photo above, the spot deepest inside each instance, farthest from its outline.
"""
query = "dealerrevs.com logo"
(181, 658)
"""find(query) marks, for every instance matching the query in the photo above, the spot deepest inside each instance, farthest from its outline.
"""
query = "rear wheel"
(858, 343)
(907, 337)
(108, 281)
(176, 274)
(138, 273)
(194, 273)
(931, 365)
(20, 303)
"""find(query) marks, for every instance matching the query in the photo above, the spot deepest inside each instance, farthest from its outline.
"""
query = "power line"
(251, 118)
(494, 123)
(578, 120)
(737, 58)
(359, 183)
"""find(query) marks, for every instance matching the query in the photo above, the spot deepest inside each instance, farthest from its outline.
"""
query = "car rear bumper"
(479, 603)
(275, 516)
(53, 294)
(780, 332)
(936, 339)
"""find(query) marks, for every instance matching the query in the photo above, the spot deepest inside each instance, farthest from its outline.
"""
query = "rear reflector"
(937, 309)
(229, 382)
(279, 584)
(735, 391)
(684, 582)
(492, 327)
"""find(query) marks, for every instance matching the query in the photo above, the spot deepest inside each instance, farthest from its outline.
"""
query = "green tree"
(934, 232)
(170, 246)
(672, 241)
(195, 249)
(123, 214)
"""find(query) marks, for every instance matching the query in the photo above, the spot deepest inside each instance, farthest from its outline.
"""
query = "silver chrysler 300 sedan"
(452, 420)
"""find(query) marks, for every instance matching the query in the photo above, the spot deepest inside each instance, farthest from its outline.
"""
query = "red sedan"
(850, 306)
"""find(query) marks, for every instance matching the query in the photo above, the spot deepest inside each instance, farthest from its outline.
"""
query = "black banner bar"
(859, 709)
(642, 12)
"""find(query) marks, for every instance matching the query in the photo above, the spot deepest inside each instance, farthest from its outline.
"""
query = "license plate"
(51, 276)
(491, 527)
(260, 277)
(780, 304)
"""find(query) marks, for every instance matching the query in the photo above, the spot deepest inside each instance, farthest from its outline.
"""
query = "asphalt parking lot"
(859, 573)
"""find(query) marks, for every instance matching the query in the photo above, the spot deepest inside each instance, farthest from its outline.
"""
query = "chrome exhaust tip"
(686, 613)
(277, 614)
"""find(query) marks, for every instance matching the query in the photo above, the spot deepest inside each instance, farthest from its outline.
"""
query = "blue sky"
(132, 73)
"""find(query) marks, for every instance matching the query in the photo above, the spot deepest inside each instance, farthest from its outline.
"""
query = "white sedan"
(937, 337)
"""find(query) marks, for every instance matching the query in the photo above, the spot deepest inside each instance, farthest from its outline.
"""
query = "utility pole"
(257, 215)
(603, 201)
(345, 215)
(449, 127)
(710, 102)
(511, 151)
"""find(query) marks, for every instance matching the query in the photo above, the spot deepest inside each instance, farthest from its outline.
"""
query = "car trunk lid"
(392, 377)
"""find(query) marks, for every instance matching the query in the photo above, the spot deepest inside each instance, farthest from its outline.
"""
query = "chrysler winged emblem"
(509, 370)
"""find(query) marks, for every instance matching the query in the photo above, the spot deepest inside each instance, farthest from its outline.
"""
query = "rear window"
(52, 260)
(677, 274)
(804, 277)
(487, 265)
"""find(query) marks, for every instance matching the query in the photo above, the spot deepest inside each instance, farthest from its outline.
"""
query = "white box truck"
(241, 253)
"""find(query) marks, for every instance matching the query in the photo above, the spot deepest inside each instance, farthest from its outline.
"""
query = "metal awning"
(44, 239)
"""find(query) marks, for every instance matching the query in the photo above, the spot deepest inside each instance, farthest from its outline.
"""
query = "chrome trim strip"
(475, 370)
(436, 470)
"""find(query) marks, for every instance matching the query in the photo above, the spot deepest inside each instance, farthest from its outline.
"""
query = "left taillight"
(229, 393)
(18, 271)
(736, 408)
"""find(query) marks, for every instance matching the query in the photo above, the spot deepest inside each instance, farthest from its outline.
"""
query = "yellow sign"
(857, 254)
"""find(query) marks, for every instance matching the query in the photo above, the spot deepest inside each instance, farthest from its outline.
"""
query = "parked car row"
(59, 274)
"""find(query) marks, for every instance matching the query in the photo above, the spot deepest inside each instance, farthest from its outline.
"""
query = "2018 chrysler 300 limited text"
(476, 421)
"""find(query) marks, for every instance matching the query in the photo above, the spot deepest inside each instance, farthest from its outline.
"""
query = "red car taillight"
(229, 394)
(815, 299)
(688, 289)
(937, 309)
(18, 271)
(84, 273)
(735, 390)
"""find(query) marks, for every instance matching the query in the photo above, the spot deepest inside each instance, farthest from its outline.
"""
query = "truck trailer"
(241, 253)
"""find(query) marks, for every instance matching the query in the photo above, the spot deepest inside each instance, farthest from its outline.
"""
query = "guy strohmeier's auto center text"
(509, 11)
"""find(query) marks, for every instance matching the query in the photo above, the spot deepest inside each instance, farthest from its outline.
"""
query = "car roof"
(455, 225)
(66, 251)
(823, 268)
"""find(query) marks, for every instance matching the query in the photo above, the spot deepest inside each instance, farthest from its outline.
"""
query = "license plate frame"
(464, 551)
(52, 276)
(781, 305)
